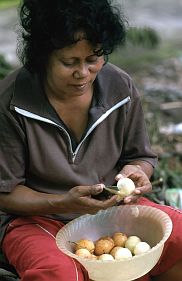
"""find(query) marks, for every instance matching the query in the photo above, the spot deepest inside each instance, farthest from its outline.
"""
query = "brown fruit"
(107, 238)
(83, 253)
(85, 244)
(119, 239)
(103, 246)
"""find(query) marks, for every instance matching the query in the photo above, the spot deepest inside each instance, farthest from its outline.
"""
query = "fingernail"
(99, 187)
(127, 200)
(120, 176)
(137, 191)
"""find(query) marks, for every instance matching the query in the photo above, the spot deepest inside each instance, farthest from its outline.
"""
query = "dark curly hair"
(48, 25)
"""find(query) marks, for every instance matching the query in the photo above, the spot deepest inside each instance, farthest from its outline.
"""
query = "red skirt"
(29, 245)
(172, 252)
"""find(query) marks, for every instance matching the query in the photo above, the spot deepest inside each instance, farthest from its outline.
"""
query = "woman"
(70, 124)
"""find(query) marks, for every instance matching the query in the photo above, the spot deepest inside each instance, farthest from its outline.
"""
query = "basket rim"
(162, 214)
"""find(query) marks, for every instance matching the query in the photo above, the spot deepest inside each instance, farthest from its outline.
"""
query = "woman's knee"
(57, 270)
(172, 274)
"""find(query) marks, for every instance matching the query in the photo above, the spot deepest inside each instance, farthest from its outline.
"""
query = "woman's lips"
(80, 86)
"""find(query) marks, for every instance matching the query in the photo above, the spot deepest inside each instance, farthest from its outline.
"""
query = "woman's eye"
(89, 60)
(68, 63)
(92, 60)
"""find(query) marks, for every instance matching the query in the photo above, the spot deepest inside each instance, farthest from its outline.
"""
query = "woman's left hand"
(140, 179)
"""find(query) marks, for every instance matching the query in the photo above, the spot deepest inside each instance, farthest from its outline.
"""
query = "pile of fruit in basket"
(115, 247)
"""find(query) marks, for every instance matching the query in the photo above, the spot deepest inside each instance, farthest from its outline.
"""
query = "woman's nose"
(81, 72)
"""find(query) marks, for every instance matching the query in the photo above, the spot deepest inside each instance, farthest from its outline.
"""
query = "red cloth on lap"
(173, 247)
(30, 247)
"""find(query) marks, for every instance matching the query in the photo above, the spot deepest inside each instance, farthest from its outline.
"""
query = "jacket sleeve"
(136, 145)
(12, 152)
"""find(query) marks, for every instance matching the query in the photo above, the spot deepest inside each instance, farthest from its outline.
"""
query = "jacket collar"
(29, 95)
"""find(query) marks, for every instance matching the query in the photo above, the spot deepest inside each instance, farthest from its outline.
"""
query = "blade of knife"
(111, 190)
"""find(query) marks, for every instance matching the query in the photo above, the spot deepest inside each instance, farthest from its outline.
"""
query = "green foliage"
(146, 37)
(134, 58)
(169, 169)
(142, 51)
(4, 4)
(167, 178)
(167, 181)
(5, 67)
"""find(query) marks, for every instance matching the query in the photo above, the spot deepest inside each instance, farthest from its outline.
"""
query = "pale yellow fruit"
(103, 246)
(119, 239)
(83, 253)
(141, 248)
(122, 253)
(105, 257)
(85, 244)
(131, 242)
(125, 186)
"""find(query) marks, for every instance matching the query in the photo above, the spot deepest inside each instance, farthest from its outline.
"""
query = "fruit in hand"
(125, 187)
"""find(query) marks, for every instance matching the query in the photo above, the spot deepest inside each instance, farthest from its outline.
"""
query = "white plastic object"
(151, 225)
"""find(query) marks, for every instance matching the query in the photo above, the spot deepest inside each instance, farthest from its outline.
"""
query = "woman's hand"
(79, 200)
(139, 177)
(25, 201)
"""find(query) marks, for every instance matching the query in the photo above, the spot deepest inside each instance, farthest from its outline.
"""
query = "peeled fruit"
(103, 246)
(83, 253)
(141, 248)
(85, 244)
(105, 257)
(122, 253)
(119, 239)
(131, 242)
(125, 187)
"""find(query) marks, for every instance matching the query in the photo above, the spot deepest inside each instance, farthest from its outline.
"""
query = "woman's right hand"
(22, 200)
(79, 199)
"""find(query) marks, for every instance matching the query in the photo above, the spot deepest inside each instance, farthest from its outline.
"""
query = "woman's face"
(72, 70)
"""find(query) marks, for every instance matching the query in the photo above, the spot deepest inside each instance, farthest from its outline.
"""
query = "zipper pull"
(73, 155)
